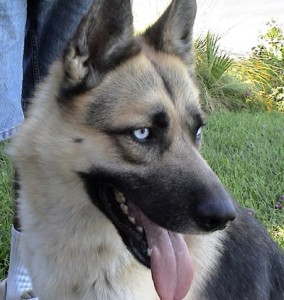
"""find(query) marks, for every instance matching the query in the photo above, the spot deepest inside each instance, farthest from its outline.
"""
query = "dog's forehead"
(143, 85)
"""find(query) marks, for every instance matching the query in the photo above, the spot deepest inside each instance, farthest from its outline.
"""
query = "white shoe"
(18, 283)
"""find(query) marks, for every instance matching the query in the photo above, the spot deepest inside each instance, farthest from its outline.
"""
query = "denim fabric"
(42, 27)
(12, 31)
(50, 24)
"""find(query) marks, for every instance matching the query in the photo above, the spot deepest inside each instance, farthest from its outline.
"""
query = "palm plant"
(219, 90)
(210, 62)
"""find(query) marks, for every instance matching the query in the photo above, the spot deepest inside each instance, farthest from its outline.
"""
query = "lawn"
(246, 150)
(5, 209)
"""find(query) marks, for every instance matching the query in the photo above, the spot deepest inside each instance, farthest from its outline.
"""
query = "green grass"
(5, 209)
(246, 150)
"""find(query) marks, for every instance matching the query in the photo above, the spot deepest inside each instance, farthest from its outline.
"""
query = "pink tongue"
(171, 265)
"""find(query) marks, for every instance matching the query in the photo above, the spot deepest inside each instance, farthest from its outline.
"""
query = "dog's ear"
(104, 39)
(172, 33)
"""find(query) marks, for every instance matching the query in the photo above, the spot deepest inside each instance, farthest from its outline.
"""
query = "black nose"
(215, 214)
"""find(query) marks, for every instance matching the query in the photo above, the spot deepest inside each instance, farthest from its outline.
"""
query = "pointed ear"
(103, 40)
(172, 33)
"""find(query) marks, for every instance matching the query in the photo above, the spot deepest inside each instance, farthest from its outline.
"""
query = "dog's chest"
(90, 280)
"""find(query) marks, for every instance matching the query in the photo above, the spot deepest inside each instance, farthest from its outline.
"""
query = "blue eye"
(141, 133)
(198, 133)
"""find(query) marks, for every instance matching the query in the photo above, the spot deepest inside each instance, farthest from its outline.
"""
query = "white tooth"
(119, 197)
(124, 208)
(149, 251)
(139, 228)
(132, 220)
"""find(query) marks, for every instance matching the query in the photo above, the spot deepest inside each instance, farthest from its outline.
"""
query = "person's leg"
(12, 32)
(3, 290)
(50, 24)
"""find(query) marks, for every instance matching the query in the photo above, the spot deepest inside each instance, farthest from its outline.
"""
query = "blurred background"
(238, 23)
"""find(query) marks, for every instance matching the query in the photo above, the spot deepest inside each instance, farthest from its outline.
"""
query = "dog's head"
(131, 108)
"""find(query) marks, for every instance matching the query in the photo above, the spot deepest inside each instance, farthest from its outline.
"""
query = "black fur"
(251, 266)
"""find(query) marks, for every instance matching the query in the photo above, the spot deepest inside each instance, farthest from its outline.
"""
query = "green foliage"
(210, 62)
(264, 70)
(5, 209)
(271, 44)
(254, 83)
(219, 90)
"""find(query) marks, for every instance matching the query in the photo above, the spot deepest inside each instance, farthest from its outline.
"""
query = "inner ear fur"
(172, 33)
(104, 39)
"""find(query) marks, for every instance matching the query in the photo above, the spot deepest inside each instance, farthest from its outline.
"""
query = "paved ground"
(238, 22)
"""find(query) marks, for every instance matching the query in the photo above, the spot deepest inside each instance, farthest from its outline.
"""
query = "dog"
(116, 201)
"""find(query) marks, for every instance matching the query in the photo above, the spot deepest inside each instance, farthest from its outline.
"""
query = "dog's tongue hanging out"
(171, 264)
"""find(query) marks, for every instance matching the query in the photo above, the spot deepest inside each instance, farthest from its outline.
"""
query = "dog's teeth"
(131, 220)
(149, 252)
(139, 229)
(124, 208)
(119, 197)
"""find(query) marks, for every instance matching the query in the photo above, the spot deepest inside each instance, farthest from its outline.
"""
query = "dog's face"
(132, 108)
(137, 106)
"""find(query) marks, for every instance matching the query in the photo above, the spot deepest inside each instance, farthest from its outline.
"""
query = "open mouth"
(163, 251)
(127, 221)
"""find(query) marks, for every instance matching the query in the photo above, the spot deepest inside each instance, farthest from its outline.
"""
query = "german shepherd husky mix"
(116, 202)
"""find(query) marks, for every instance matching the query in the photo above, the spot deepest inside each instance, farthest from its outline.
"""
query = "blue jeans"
(12, 33)
(34, 34)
